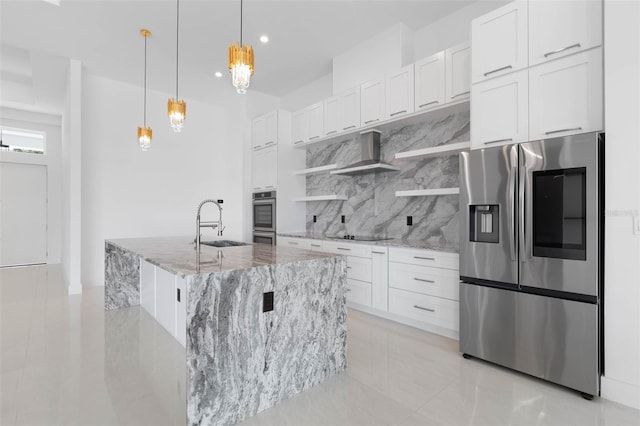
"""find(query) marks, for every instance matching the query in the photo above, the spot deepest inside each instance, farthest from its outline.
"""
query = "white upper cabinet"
(372, 103)
(430, 82)
(566, 96)
(458, 72)
(315, 121)
(265, 169)
(499, 111)
(560, 28)
(499, 41)
(299, 130)
(399, 92)
(264, 130)
(332, 116)
(350, 109)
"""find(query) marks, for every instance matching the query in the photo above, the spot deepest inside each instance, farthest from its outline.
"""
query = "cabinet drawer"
(346, 248)
(424, 257)
(315, 245)
(359, 292)
(301, 243)
(420, 307)
(425, 280)
(359, 268)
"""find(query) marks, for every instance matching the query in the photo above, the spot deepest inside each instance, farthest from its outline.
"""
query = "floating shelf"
(369, 168)
(426, 192)
(330, 197)
(316, 170)
(448, 149)
(412, 118)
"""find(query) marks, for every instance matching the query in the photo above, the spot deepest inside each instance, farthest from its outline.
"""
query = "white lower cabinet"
(427, 309)
(181, 311)
(358, 292)
(148, 287)
(165, 300)
(359, 268)
(379, 277)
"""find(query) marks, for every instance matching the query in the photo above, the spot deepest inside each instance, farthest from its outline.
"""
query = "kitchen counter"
(394, 242)
(242, 355)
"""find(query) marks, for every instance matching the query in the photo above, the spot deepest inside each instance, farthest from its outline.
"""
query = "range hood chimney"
(369, 157)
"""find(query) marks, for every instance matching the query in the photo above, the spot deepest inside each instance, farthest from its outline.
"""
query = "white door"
(258, 135)
(429, 75)
(271, 128)
(270, 168)
(458, 65)
(23, 214)
(400, 92)
(566, 96)
(499, 111)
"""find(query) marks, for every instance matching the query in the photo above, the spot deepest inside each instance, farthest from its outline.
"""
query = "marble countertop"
(178, 255)
(394, 242)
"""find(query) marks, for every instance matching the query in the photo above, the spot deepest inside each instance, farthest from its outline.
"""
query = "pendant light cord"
(240, 23)
(145, 81)
(177, 42)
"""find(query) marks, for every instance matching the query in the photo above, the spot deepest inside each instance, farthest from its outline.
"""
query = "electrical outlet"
(409, 220)
(636, 225)
(267, 301)
(315, 218)
(220, 201)
(342, 218)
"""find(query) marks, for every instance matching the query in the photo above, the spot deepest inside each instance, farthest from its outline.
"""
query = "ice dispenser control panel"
(483, 223)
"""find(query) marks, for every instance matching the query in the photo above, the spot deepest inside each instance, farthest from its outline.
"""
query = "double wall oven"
(531, 258)
(264, 217)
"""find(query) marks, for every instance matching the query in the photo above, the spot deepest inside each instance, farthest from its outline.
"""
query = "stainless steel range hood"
(369, 157)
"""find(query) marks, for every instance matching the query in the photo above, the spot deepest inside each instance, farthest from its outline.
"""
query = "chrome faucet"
(211, 224)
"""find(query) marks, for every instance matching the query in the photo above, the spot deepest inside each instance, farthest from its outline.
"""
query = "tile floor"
(65, 361)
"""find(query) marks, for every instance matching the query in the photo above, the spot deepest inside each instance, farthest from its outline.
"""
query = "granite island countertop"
(392, 242)
(178, 255)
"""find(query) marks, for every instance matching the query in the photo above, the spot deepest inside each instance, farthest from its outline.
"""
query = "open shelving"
(436, 151)
(316, 170)
(427, 192)
(329, 197)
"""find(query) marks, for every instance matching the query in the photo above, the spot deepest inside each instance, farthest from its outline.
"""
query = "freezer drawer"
(550, 338)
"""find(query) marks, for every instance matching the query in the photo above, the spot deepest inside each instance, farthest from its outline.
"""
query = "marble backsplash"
(372, 207)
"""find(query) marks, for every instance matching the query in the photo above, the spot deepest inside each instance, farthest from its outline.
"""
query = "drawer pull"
(315, 245)
(428, 103)
(342, 248)
(498, 140)
(460, 94)
(291, 242)
(378, 252)
(398, 113)
(508, 67)
(423, 308)
(562, 130)
(553, 52)
(424, 258)
(424, 281)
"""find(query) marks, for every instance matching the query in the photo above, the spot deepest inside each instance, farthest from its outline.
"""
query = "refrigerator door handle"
(512, 208)
(521, 204)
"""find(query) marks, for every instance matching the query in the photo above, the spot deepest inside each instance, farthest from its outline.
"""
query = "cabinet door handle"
(349, 127)
(424, 281)
(553, 52)
(315, 245)
(342, 248)
(508, 67)
(178, 294)
(423, 308)
(562, 130)
(398, 113)
(461, 94)
(498, 141)
(372, 121)
(291, 242)
(428, 103)
(257, 147)
(313, 137)
(332, 132)
(378, 252)
(348, 289)
(270, 186)
(298, 142)
(424, 258)
(348, 267)
(270, 143)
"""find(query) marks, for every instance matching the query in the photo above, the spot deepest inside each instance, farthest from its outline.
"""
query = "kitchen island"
(262, 322)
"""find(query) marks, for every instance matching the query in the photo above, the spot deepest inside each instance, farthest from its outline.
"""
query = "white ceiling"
(305, 36)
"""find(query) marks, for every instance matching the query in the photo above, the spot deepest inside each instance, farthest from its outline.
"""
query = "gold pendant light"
(241, 62)
(177, 109)
(145, 133)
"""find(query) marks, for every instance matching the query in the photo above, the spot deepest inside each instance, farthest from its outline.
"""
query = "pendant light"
(145, 133)
(241, 62)
(177, 109)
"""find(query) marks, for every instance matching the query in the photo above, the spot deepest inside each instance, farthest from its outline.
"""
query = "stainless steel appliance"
(531, 258)
(264, 217)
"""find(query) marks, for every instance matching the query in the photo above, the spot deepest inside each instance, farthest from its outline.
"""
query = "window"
(17, 140)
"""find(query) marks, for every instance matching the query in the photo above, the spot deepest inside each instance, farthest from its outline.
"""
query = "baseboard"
(74, 289)
(620, 392)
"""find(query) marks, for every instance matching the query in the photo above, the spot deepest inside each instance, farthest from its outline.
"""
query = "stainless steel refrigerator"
(531, 258)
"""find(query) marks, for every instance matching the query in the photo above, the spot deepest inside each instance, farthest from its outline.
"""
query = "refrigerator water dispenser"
(484, 223)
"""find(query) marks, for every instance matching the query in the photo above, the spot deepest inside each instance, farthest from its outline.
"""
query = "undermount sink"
(223, 243)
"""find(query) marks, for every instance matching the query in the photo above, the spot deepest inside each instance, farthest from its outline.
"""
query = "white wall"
(129, 193)
(387, 51)
(316, 91)
(50, 125)
(622, 176)
(451, 30)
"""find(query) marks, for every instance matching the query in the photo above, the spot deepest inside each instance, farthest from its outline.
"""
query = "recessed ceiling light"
(218, 74)
(264, 39)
